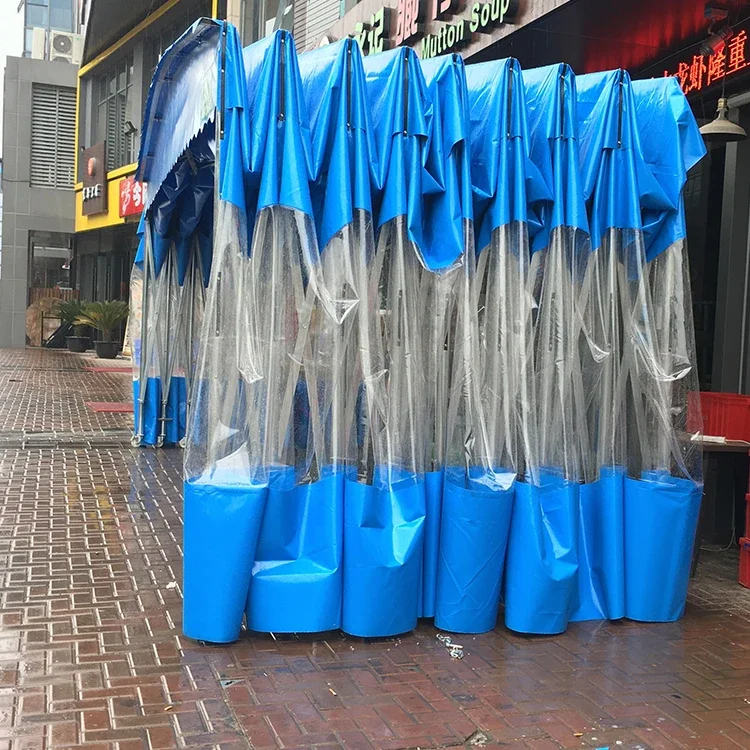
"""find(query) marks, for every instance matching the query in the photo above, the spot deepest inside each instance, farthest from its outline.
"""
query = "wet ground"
(92, 655)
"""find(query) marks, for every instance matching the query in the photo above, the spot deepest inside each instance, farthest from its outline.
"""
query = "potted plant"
(69, 312)
(104, 317)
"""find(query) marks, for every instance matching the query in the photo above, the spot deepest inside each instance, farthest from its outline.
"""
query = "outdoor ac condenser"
(65, 47)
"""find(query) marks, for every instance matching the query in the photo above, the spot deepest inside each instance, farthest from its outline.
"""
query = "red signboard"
(704, 71)
(132, 197)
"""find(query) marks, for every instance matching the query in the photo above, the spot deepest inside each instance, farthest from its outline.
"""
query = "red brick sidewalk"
(92, 656)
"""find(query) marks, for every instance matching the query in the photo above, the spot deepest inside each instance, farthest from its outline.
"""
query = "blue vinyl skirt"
(541, 585)
(383, 548)
(176, 410)
(661, 515)
(473, 541)
(151, 407)
(601, 554)
(433, 484)
(222, 525)
(296, 584)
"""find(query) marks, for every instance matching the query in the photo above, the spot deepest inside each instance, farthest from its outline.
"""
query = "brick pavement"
(91, 653)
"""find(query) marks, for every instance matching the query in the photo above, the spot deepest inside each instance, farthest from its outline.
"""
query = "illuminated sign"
(703, 71)
(132, 197)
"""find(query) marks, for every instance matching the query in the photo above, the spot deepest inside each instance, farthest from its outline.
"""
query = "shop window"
(114, 120)
(53, 119)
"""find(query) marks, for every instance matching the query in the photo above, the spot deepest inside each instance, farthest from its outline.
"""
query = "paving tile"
(92, 655)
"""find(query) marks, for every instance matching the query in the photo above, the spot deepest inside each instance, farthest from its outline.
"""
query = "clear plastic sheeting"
(435, 330)
(176, 160)
(385, 509)
(649, 468)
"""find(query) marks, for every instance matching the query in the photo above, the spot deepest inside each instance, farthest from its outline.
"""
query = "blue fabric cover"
(433, 486)
(383, 548)
(274, 139)
(194, 202)
(505, 181)
(448, 204)
(222, 523)
(617, 183)
(541, 585)
(181, 100)
(553, 125)
(401, 116)
(473, 541)
(344, 155)
(176, 410)
(151, 409)
(671, 144)
(661, 515)
(296, 584)
(601, 553)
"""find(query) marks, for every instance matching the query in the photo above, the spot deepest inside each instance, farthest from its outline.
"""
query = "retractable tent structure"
(542, 566)
(297, 580)
(447, 312)
(648, 490)
(662, 505)
(427, 347)
(384, 511)
(171, 267)
(487, 384)
(250, 456)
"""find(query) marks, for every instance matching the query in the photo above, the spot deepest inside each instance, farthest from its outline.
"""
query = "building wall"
(528, 12)
(25, 208)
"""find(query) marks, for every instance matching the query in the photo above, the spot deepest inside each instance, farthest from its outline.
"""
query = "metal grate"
(53, 119)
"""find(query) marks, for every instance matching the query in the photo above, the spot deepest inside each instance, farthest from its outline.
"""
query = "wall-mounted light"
(717, 41)
(722, 129)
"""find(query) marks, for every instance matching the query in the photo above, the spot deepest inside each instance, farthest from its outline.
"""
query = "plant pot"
(77, 344)
(107, 349)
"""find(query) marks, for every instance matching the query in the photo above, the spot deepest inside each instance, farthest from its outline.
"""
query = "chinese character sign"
(703, 71)
(373, 36)
(409, 20)
(132, 197)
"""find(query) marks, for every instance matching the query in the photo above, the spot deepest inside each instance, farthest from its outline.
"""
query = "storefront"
(112, 89)
(108, 208)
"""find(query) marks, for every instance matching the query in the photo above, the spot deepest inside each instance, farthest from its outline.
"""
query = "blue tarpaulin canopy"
(391, 419)
(508, 186)
(671, 144)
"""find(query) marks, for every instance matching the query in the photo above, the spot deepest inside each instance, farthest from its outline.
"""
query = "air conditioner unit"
(39, 43)
(65, 47)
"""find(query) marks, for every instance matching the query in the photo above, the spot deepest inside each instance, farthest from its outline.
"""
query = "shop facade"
(123, 44)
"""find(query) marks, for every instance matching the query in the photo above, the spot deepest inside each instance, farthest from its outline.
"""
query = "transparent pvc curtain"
(555, 439)
(438, 321)
(309, 361)
(144, 329)
(490, 328)
(170, 350)
(663, 488)
(385, 508)
(192, 301)
(261, 427)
